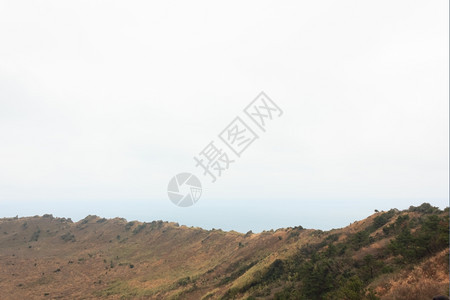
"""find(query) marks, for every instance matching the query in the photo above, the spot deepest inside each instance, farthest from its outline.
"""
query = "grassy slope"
(46, 257)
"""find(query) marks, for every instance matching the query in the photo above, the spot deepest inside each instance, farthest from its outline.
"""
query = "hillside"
(389, 255)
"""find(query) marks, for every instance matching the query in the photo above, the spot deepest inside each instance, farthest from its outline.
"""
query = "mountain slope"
(389, 255)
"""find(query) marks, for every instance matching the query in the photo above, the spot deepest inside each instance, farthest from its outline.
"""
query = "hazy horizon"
(331, 218)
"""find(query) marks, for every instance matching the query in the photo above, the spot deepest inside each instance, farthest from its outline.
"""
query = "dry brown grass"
(97, 263)
(424, 281)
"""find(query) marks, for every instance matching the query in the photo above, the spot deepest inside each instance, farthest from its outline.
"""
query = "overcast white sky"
(102, 102)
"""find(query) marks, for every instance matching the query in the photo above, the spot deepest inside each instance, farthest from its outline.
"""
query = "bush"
(129, 225)
(353, 289)
(67, 237)
(427, 240)
(184, 281)
(360, 239)
(139, 228)
(35, 236)
(382, 219)
(424, 208)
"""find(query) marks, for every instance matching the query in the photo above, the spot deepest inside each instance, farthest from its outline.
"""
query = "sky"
(103, 102)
